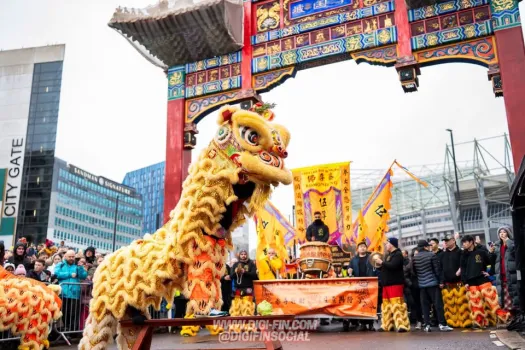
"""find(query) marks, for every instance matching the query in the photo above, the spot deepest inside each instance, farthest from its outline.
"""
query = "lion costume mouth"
(265, 167)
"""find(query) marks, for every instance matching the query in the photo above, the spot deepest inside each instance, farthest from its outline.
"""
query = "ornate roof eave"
(174, 37)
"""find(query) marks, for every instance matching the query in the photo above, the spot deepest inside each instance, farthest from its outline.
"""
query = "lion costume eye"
(249, 135)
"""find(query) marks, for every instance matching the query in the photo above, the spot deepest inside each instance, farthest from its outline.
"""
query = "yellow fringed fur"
(188, 253)
(27, 309)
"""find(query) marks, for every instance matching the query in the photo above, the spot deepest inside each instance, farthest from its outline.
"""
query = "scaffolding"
(485, 174)
(485, 181)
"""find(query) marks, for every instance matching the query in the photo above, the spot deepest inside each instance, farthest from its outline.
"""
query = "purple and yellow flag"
(324, 188)
(376, 212)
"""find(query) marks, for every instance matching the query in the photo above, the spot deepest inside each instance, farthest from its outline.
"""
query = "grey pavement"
(331, 338)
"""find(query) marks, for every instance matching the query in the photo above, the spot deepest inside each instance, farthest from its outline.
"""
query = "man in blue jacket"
(69, 276)
(428, 271)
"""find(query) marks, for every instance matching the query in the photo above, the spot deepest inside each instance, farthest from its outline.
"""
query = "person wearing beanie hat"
(243, 273)
(20, 256)
(9, 267)
(393, 241)
(504, 256)
(20, 270)
(394, 309)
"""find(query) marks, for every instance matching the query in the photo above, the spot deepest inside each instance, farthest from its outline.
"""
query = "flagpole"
(378, 185)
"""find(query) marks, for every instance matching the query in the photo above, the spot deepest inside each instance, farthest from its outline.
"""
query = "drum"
(315, 257)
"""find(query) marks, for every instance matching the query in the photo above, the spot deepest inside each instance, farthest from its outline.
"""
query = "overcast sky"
(113, 104)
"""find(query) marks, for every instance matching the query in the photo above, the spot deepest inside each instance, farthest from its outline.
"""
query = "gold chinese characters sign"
(326, 189)
(343, 297)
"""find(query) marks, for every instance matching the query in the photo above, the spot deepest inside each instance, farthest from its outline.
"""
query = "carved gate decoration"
(281, 37)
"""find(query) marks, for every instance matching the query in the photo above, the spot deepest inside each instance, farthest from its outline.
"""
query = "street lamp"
(457, 181)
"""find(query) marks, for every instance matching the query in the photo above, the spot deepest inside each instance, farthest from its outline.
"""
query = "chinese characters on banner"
(324, 188)
(375, 215)
(343, 297)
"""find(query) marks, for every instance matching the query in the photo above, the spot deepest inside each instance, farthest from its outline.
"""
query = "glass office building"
(30, 86)
(84, 208)
(149, 182)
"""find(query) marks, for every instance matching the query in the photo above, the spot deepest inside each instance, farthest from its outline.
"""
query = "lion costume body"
(27, 308)
(231, 179)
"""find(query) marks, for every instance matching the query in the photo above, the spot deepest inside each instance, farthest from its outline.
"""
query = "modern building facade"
(149, 183)
(30, 86)
(84, 206)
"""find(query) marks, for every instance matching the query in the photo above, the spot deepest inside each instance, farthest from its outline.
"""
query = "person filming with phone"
(69, 275)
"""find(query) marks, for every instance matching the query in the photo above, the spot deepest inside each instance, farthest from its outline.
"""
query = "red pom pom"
(227, 115)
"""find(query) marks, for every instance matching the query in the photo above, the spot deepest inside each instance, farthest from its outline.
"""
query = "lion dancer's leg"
(477, 310)
(98, 331)
(462, 306)
(236, 310)
(203, 282)
(491, 304)
(449, 305)
(127, 336)
(248, 309)
(396, 309)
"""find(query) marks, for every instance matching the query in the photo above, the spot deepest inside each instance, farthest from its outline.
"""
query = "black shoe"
(346, 326)
(427, 328)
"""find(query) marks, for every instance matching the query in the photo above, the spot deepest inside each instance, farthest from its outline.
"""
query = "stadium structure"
(484, 176)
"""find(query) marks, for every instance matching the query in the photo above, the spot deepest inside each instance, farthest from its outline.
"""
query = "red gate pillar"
(511, 57)
(406, 65)
(177, 157)
(246, 64)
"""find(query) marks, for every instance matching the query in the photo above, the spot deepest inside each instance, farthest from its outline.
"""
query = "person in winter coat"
(19, 256)
(483, 296)
(504, 258)
(39, 273)
(414, 294)
(393, 308)
(453, 292)
(243, 273)
(360, 267)
(69, 276)
(428, 271)
(317, 231)
(89, 254)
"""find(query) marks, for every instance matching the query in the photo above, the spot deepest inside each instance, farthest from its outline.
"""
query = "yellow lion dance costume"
(232, 178)
(456, 305)
(27, 308)
(484, 306)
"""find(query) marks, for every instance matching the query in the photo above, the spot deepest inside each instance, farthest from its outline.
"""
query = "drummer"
(317, 231)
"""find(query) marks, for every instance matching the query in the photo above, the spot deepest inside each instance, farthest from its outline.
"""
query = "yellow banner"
(324, 188)
(375, 215)
(273, 231)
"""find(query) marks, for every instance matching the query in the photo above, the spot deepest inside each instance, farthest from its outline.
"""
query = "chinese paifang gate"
(231, 178)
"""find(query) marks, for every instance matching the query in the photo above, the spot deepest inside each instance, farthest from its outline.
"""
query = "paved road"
(331, 337)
